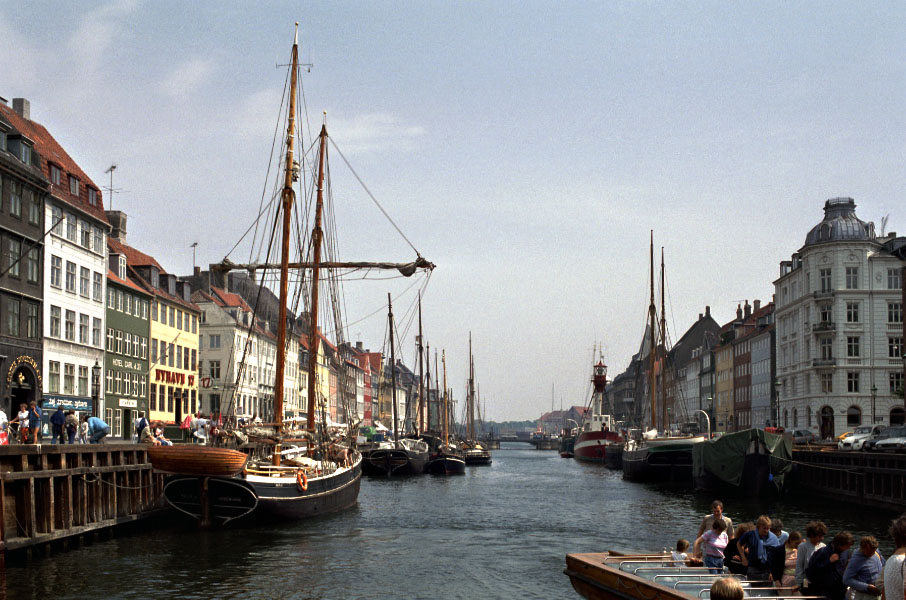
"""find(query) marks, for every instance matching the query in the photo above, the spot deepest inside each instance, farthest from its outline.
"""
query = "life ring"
(301, 480)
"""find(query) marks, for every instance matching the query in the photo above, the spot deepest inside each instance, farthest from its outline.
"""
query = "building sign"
(164, 376)
(132, 365)
(67, 402)
(125, 403)
(18, 362)
(205, 382)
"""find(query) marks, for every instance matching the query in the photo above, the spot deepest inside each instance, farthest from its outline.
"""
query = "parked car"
(869, 444)
(859, 437)
(843, 436)
(896, 440)
(804, 436)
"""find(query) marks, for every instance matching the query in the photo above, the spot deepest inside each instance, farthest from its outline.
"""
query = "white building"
(839, 324)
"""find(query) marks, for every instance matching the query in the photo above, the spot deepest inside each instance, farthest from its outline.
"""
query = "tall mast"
(663, 349)
(652, 324)
(421, 370)
(428, 386)
(288, 198)
(446, 424)
(440, 421)
(392, 368)
(316, 235)
(471, 400)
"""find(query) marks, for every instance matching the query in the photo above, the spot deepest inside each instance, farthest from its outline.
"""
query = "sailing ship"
(397, 456)
(651, 457)
(286, 474)
(598, 434)
(446, 457)
(474, 451)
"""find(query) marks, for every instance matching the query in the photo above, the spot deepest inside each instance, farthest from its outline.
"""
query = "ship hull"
(386, 462)
(592, 446)
(447, 465)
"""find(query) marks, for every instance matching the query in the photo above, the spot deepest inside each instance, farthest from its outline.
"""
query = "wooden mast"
(288, 198)
(444, 359)
(652, 324)
(471, 400)
(392, 368)
(421, 370)
(440, 422)
(663, 350)
(316, 235)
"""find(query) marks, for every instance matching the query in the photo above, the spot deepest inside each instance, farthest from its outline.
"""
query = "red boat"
(197, 460)
(598, 430)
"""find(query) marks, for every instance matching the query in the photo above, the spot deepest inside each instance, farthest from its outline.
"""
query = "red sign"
(173, 377)
(205, 382)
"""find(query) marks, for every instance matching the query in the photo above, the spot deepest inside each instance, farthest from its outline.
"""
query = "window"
(894, 347)
(111, 298)
(144, 354)
(56, 215)
(172, 317)
(15, 199)
(852, 346)
(86, 235)
(84, 281)
(12, 261)
(893, 279)
(98, 240)
(852, 312)
(70, 276)
(827, 383)
(179, 319)
(852, 278)
(194, 356)
(96, 332)
(825, 277)
(118, 382)
(213, 342)
(119, 300)
(98, 287)
(194, 324)
(92, 196)
(25, 153)
(896, 382)
(83, 329)
(853, 416)
(127, 343)
(55, 174)
(145, 310)
(55, 321)
(12, 317)
(894, 312)
(32, 323)
(170, 355)
(153, 310)
(110, 338)
(33, 265)
(73, 186)
(153, 350)
(127, 303)
(153, 400)
(83, 381)
(34, 208)
(54, 379)
(178, 357)
(852, 382)
(119, 341)
(215, 369)
(70, 325)
(71, 227)
(68, 379)
(170, 398)
(121, 267)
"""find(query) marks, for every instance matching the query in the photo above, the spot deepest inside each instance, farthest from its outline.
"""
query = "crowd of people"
(767, 555)
(66, 427)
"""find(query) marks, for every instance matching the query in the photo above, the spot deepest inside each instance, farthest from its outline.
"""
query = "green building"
(126, 357)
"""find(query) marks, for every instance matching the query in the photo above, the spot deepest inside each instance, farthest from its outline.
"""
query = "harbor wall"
(875, 479)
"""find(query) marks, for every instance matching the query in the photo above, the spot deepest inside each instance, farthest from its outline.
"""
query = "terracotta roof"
(51, 151)
(112, 277)
(230, 299)
(134, 258)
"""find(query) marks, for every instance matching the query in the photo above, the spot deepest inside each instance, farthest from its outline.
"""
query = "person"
(679, 555)
(756, 549)
(72, 425)
(717, 512)
(727, 588)
(57, 420)
(826, 567)
(97, 429)
(22, 421)
(159, 434)
(891, 580)
(141, 423)
(34, 421)
(863, 570)
(787, 577)
(147, 437)
(711, 545)
(814, 534)
(4, 420)
(732, 558)
(83, 430)
(201, 424)
(777, 529)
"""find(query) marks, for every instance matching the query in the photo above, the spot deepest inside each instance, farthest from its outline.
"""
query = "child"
(711, 546)
(791, 548)
(679, 555)
(727, 588)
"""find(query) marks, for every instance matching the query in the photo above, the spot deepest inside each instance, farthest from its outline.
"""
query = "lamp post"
(95, 388)
(874, 395)
(775, 409)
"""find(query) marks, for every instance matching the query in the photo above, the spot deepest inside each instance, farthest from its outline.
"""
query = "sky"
(527, 148)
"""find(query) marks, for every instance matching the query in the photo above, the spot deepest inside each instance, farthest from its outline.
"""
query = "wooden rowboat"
(197, 460)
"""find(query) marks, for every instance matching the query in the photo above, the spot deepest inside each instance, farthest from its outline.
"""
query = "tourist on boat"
(863, 570)
(57, 421)
(814, 540)
(891, 580)
(679, 555)
(787, 578)
(727, 588)
(777, 529)
(97, 429)
(732, 557)
(72, 425)
(717, 512)
(710, 546)
(826, 567)
(756, 549)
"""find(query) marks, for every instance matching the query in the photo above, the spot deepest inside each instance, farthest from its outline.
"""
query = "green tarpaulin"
(725, 456)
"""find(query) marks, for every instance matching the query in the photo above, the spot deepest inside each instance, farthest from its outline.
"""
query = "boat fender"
(301, 480)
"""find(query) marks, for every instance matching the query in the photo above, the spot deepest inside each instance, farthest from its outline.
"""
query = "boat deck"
(617, 576)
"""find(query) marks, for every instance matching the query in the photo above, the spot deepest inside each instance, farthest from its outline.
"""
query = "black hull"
(567, 447)
(635, 465)
(613, 458)
(756, 479)
(662, 466)
(323, 496)
(480, 460)
(386, 462)
(447, 465)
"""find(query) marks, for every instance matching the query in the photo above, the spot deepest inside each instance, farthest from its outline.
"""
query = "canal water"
(497, 532)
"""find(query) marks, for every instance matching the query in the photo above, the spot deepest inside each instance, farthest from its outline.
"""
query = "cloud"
(374, 132)
(188, 77)
(97, 32)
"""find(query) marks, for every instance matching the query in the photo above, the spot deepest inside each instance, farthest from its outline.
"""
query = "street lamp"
(874, 394)
(775, 409)
(95, 388)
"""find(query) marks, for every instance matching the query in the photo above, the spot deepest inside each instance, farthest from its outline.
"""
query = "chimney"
(756, 305)
(700, 316)
(23, 107)
(196, 272)
(360, 346)
(739, 312)
(748, 309)
(707, 311)
(117, 220)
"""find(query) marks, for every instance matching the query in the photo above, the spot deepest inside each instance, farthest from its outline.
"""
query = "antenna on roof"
(884, 224)
(193, 246)
(111, 190)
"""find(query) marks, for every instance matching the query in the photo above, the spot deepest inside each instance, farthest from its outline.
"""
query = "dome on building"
(840, 223)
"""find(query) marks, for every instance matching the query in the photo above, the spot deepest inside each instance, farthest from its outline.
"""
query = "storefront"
(22, 383)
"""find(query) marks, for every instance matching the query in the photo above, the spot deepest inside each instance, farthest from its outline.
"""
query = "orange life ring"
(301, 480)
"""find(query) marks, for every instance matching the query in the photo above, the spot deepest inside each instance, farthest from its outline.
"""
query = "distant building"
(684, 366)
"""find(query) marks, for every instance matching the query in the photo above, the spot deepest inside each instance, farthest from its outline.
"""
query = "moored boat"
(752, 462)
(195, 460)
(401, 457)
(597, 432)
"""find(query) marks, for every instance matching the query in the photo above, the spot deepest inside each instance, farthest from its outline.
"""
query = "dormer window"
(55, 174)
(25, 153)
(3, 140)
(121, 267)
(92, 196)
(73, 186)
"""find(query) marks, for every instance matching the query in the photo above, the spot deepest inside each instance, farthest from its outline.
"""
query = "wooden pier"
(53, 492)
(869, 478)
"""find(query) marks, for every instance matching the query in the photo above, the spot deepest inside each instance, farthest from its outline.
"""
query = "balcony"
(824, 362)
(823, 294)
(824, 327)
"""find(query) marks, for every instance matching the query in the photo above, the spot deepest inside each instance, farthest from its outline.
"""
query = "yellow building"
(723, 387)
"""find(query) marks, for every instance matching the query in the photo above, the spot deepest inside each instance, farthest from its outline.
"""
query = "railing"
(824, 362)
(823, 294)
(824, 326)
